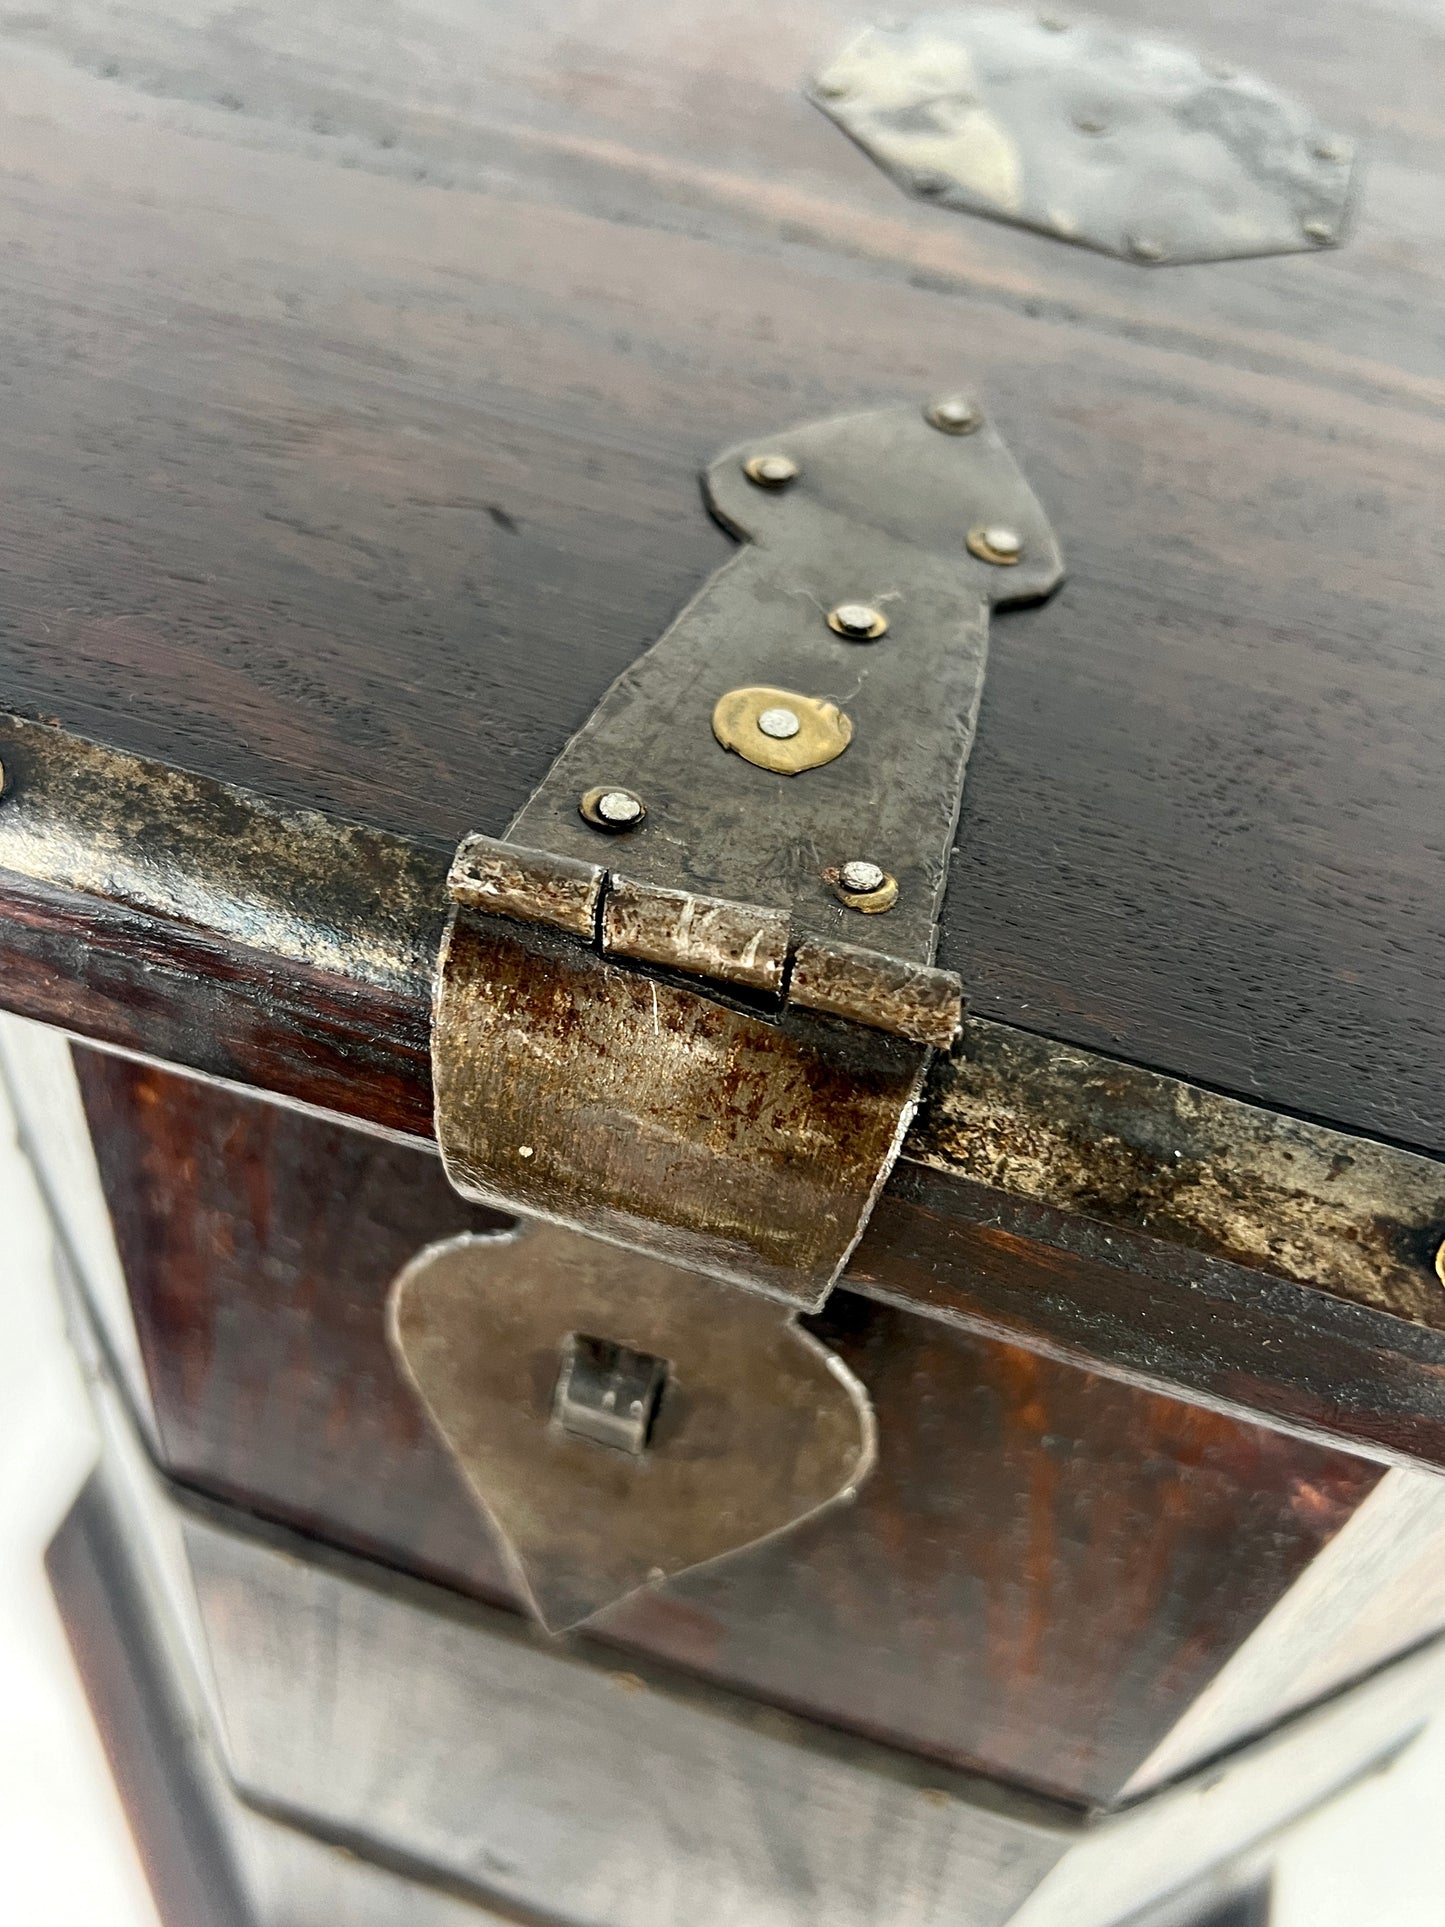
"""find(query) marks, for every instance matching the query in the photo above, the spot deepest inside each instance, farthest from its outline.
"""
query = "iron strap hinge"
(744, 946)
(687, 1051)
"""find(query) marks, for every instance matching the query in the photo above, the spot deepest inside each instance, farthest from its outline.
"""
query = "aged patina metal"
(595, 1093)
(608, 1393)
(736, 946)
(1090, 133)
(746, 1141)
(876, 516)
(1117, 1144)
(759, 1425)
(158, 912)
(736, 943)
(778, 729)
(289, 883)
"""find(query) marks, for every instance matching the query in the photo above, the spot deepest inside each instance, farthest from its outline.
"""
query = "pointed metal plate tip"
(758, 1425)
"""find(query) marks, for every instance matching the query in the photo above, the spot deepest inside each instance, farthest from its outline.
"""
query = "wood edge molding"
(1265, 1263)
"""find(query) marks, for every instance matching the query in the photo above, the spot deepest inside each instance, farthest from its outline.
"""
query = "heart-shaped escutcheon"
(619, 1419)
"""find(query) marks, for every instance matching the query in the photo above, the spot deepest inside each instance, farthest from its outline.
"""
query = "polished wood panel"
(358, 371)
(1042, 1573)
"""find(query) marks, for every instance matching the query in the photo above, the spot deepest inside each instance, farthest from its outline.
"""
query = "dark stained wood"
(1042, 1573)
(358, 369)
(134, 983)
(211, 1859)
(149, 1739)
(1166, 1301)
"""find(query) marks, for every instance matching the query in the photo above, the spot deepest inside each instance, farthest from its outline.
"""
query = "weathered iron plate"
(578, 1089)
(745, 1140)
(759, 1425)
(878, 515)
(1087, 132)
(1120, 1145)
(335, 896)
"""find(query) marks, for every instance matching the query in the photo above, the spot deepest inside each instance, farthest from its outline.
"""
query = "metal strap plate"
(1091, 133)
(747, 1424)
(687, 1004)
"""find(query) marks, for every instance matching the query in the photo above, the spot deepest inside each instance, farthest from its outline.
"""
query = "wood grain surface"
(358, 363)
(1042, 1573)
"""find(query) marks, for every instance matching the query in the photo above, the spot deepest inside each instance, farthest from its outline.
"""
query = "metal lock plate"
(682, 1029)
(1087, 132)
(756, 1426)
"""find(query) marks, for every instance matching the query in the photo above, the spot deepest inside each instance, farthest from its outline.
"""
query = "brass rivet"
(858, 621)
(1440, 1262)
(771, 470)
(1003, 547)
(953, 415)
(863, 885)
(612, 809)
(805, 731)
(1319, 231)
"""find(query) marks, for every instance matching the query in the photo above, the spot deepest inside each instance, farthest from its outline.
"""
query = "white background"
(1373, 1859)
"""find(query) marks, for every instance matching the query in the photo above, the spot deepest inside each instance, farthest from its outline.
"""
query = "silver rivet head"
(619, 806)
(954, 414)
(771, 470)
(859, 621)
(860, 878)
(996, 544)
(612, 809)
(779, 723)
(1319, 231)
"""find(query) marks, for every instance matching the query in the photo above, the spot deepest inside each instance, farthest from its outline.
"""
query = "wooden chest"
(361, 363)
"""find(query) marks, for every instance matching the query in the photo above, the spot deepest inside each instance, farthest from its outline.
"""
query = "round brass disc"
(823, 730)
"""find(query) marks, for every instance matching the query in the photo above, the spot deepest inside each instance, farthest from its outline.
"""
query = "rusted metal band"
(599, 1096)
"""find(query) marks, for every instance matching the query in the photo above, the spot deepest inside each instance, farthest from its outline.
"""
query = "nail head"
(863, 885)
(861, 877)
(779, 723)
(1003, 547)
(610, 808)
(954, 415)
(772, 470)
(858, 621)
